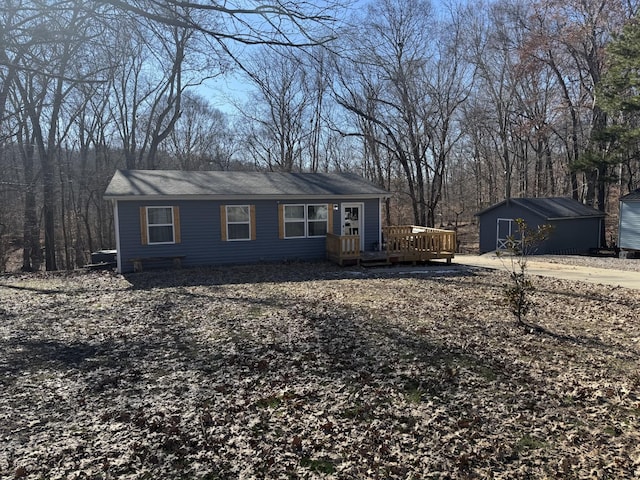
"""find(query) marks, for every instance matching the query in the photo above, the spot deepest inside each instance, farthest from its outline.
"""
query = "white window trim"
(305, 220)
(296, 220)
(150, 225)
(227, 222)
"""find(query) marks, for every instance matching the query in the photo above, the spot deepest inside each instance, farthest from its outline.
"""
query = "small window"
(160, 225)
(238, 222)
(294, 221)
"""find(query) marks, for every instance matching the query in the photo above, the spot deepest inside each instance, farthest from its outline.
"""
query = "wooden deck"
(401, 244)
(412, 243)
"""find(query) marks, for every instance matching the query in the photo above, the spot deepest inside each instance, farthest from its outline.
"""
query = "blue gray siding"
(629, 229)
(573, 235)
(489, 220)
(372, 227)
(569, 235)
(200, 231)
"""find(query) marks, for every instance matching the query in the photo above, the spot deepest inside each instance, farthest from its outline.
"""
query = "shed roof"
(160, 184)
(553, 208)
(631, 196)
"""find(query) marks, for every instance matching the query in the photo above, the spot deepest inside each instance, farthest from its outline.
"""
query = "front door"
(353, 220)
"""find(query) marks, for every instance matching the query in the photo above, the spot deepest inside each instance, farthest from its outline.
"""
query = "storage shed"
(576, 227)
(629, 222)
(201, 218)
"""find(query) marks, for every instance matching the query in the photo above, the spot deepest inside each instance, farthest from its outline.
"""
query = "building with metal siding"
(576, 227)
(218, 218)
(629, 222)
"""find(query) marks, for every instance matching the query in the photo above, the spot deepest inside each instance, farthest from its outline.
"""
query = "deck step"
(374, 263)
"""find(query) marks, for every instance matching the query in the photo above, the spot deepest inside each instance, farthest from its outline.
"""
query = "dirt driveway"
(602, 276)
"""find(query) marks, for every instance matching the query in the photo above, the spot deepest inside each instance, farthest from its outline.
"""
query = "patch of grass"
(529, 442)
(414, 395)
(413, 391)
(271, 401)
(358, 412)
(612, 431)
(321, 465)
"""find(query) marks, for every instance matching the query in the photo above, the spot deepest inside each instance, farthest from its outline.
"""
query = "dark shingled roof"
(552, 208)
(188, 184)
(631, 196)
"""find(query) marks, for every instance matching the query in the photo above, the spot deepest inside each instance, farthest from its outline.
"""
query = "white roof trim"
(286, 198)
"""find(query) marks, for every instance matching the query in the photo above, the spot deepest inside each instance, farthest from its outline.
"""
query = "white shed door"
(507, 230)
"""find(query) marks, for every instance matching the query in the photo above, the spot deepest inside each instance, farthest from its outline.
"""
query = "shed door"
(507, 231)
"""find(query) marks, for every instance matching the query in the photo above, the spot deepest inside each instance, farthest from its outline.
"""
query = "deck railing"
(404, 243)
(343, 247)
(411, 243)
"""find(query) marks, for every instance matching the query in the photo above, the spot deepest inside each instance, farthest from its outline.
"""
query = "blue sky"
(225, 92)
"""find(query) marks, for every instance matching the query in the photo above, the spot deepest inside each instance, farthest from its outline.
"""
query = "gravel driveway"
(597, 270)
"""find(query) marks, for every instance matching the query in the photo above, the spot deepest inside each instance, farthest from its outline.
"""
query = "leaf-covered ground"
(311, 371)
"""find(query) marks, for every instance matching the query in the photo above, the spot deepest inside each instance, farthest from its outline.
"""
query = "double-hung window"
(294, 221)
(160, 225)
(317, 217)
(238, 222)
(300, 221)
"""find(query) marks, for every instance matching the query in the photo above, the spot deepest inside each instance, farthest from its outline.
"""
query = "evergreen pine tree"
(619, 95)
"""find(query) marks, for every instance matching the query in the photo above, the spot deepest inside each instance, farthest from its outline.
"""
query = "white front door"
(353, 220)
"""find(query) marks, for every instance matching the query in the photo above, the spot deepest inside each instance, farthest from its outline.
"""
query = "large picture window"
(302, 221)
(160, 225)
(238, 222)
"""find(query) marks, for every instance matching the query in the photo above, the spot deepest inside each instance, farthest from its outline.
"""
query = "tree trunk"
(49, 212)
(31, 251)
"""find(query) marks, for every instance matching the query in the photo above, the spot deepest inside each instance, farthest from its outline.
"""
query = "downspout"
(619, 226)
(117, 225)
(379, 224)
(600, 233)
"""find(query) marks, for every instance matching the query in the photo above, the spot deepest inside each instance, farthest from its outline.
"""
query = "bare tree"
(404, 93)
(278, 109)
(279, 23)
(570, 37)
(146, 75)
(201, 139)
(449, 86)
(44, 85)
(495, 55)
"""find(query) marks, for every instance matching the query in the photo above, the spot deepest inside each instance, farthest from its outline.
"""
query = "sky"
(229, 91)
(225, 92)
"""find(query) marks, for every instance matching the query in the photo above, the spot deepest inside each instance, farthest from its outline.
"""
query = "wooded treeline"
(451, 107)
